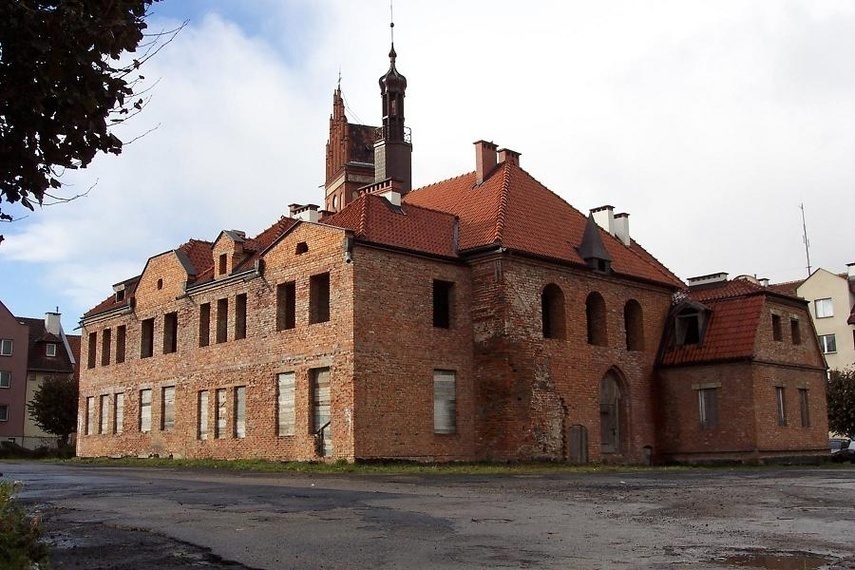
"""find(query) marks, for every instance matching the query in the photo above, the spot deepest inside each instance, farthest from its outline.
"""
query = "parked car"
(842, 449)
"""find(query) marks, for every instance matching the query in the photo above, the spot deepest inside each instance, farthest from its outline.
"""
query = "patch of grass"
(20, 534)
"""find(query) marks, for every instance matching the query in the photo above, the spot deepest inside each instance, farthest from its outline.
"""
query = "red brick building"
(478, 318)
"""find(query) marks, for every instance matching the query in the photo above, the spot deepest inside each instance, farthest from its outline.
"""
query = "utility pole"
(805, 238)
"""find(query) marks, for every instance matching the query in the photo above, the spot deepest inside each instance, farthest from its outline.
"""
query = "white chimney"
(706, 279)
(307, 213)
(850, 267)
(393, 197)
(621, 226)
(605, 218)
(52, 324)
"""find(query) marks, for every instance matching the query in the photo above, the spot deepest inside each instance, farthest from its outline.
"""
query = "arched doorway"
(612, 416)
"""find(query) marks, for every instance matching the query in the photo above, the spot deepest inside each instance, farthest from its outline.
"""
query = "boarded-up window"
(286, 305)
(170, 333)
(777, 330)
(147, 338)
(240, 412)
(145, 411)
(552, 311)
(167, 407)
(121, 338)
(442, 303)
(444, 401)
(319, 298)
(222, 320)
(708, 407)
(781, 404)
(595, 312)
(119, 413)
(286, 418)
(321, 409)
(804, 407)
(90, 415)
(105, 346)
(202, 415)
(204, 324)
(633, 320)
(104, 420)
(220, 411)
(795, 331)
(240, 316)
(93, 344)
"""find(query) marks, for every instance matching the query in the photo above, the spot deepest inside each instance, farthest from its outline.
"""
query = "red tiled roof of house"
(512, 209)
(37, 359)
(111, 303)
(409, 227)
(199, 254)
(787, 287)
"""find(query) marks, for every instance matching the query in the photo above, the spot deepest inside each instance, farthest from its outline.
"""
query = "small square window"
(828, 343)
(824, 308)
(50, 349)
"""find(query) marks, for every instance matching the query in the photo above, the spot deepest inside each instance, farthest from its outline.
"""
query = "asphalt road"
(129, 518)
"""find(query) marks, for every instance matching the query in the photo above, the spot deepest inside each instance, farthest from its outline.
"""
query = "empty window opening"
(119, 413)
(633, 320)
(222, 320)
(170, 333)
(285, 399)
(552, 312)
(240, 412)
(90, 415)
(90, 353)
(804, 407)
(220, 414)
(795, 331)
(781, 400)
(159, 284)
(319, 298)
(442, 291)
(103, 424)
(240, 316)
(147, 338)
(50, 350)
(205, 324)
(286, 305)
(689, 326)
(145, 410)
(708, 407)
(777, 330)
(444, 402)
(167, 408)
(223, 267)
(120, 295)
(321, 411)
(302, 247)
(595, 312)
(121, 339)
(202, 415)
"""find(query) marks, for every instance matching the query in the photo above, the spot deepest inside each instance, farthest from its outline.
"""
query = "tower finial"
(339, 78)
(391, 22)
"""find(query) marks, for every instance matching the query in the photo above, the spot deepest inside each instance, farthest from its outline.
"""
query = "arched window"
(633, 321)
(552, 311)
(595, 311)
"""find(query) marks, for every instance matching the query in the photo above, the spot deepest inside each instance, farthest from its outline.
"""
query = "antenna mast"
(805, 238)
(391, 22)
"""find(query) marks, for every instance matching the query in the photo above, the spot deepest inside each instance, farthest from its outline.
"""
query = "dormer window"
(120, 295)
(690, 323)
(223, 264)
(50, 349)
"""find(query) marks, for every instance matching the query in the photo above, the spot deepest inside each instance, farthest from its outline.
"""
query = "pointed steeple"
(592, 249)
(393, 148)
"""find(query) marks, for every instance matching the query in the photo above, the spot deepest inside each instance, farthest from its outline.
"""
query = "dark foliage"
(840, 393)
(62, 86)
(54, 407)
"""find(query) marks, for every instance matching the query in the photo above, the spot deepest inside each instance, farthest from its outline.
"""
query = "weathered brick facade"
(479, 318)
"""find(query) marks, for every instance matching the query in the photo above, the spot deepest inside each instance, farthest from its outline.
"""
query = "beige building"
(832, 306)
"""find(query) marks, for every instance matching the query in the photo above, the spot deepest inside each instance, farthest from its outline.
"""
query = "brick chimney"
(508, 155)
(485, 160)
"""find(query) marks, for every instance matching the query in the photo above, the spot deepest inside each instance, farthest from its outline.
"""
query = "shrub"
(20, 547)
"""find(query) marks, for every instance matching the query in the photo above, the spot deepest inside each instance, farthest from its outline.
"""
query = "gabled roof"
(110, 303)
(735, 311)
(36, 357)
(510, 208)
(374, 219)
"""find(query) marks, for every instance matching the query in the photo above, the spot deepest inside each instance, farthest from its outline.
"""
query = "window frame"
(7, 346)
(826, 346)
(4, 412)
(8, 375)
(708, 412)
(50, 349)
(827, 303)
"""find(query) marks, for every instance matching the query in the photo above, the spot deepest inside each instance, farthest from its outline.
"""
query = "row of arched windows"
(554, 322)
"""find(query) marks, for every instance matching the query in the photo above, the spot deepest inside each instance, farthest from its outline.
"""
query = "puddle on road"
(777, 561)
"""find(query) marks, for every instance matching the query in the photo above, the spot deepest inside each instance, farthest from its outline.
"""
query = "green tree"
(840, 394)
(63, 83)
(54, 407)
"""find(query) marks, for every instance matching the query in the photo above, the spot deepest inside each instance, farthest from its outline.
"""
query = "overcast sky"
(708, 122)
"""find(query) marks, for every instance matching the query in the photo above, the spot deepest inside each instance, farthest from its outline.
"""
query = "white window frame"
(823, 308)
(6, 347)
(444, 402)
(5, 379)
(50, 349)
(828, 343)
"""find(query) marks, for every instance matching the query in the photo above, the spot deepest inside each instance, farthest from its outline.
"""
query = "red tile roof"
(409, 227)
(512, 209)
(199, 254)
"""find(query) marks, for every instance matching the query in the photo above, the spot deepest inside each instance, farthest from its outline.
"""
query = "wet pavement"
(129, 518)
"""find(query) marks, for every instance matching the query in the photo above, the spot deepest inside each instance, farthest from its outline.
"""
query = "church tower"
(393, 148)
